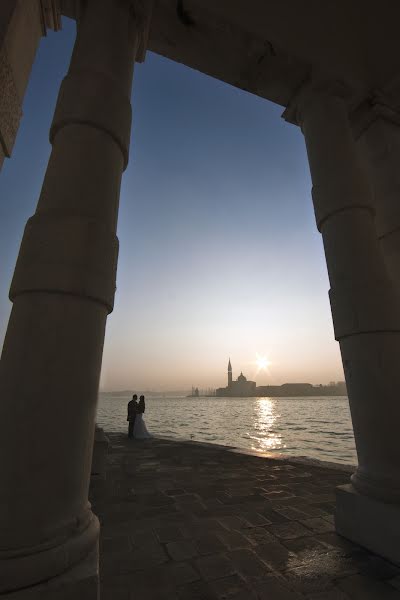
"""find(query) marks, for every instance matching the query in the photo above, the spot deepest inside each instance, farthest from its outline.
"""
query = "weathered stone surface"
(181, 573)
(234, 588)
(199, 590)
(332, 594)
(215, 567)
(181, 550)
(247, 563)
(367, 588)
(233, 539)
(271, 588)
(169, 533)
(289, 531)
(373, 523)
(244, 549)
(317, 524)
(10, 105)
(395, 582)
(209, 544)
(118, 544)
(273, 553)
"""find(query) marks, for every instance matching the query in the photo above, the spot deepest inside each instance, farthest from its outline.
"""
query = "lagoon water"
(319, 428)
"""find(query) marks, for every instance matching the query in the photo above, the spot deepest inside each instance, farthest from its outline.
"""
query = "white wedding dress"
(140, 431)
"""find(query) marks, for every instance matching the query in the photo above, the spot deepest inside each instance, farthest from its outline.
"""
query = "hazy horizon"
(134, 389)
(258, 375)
(219, 253)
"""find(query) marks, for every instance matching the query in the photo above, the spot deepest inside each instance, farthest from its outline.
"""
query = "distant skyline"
(258, 375)
(219, 253)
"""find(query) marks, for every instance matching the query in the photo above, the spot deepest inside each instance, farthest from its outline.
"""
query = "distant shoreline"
(286, 390)
(173, 395)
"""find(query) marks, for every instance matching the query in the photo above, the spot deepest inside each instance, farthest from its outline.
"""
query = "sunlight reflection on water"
(315, 427)
(265, 437)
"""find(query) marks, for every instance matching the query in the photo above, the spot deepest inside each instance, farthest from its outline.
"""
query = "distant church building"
(239, 388)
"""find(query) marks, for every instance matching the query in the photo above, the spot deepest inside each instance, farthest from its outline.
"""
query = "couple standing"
(137, 427)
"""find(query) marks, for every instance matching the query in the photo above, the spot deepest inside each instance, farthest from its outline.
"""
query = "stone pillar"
(62, 290)
(366, 316)
(380, 148)
(22, 23)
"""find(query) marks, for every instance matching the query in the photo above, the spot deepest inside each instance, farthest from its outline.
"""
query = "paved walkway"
(183, 521)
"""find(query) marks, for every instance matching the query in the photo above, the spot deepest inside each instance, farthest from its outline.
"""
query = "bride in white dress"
(140, 431)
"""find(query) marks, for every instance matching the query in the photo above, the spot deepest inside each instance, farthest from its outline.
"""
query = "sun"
(262, 363)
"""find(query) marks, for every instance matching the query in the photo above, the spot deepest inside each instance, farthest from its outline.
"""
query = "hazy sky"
(219, 252)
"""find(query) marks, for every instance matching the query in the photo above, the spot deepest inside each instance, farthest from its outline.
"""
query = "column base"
(79, 583)
(100, 451)
(44, 565)
(371, 523)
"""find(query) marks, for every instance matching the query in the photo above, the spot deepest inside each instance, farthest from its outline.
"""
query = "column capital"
(339, 183)
(50, 15)
(376, 107)
(315, 93)
(97, 88)
(382, 103)
(142, 11)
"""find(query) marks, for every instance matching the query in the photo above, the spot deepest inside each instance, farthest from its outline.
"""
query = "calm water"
(314, 427)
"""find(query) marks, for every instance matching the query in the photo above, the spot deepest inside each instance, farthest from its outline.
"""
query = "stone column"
(20, 32)
(366, 316)
(62, 290)
(22, 23)
(380, 148)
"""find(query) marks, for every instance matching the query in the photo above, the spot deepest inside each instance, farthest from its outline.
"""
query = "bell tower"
(229, 373)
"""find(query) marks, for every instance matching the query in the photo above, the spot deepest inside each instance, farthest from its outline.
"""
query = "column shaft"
(380, 148)
(62, 290)
(366, 315)
(365, 305)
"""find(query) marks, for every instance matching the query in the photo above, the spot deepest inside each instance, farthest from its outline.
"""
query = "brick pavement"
(185, 521)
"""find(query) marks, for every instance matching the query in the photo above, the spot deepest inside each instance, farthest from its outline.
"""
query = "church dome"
(241, 377)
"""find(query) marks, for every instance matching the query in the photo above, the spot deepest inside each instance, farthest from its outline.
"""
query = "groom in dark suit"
(132, 412)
